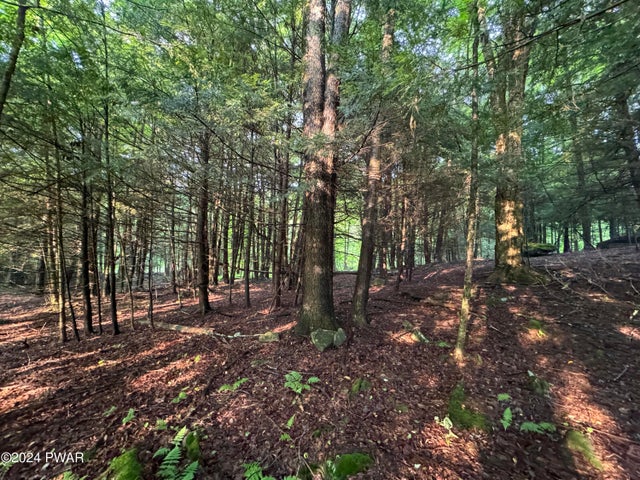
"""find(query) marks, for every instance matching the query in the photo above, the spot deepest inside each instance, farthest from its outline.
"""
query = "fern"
(542, 427)
(507, 418)
(233, 387)
(171, 457)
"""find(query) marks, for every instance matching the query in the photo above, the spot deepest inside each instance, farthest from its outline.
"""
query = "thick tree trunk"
(321, 100)
(508, 72)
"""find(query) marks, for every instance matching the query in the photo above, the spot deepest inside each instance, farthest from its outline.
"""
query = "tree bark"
(370, 218)
(317, 275)
(13, 55)
(202, 243)
(472, 208)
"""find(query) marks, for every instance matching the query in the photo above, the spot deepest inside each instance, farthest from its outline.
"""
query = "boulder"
(322, 338)
(339, 338)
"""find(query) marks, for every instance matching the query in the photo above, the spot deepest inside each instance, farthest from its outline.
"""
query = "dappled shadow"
(583, 345)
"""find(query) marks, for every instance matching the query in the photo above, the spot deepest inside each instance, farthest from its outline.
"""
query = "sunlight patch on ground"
(284, 328)
(21, 394)
(629, 331)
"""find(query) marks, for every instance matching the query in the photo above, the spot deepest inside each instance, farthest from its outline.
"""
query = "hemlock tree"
(321, 98)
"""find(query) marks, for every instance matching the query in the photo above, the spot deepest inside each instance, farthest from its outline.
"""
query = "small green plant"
(124, 467)
(504, 397)
(542, 427)
(507, 418)
(447, 424)
(285, 437)
(234, 386)
(183, 442)
(253, 471)
(346, 465)
(579, 442)
(535, 324)
(293, 381)
(443, 344)
(181, 396)
(131, 414)
(161, 424)
(538, 385)
(109, 411)
(460, 415)
(360, 385)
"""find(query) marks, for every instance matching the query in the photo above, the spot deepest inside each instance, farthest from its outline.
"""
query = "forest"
(319, 239)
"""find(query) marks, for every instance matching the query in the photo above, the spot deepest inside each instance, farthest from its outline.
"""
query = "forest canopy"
(196, 143)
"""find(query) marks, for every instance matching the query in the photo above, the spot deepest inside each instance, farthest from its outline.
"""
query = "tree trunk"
(370, 218)
(627, 140)
(202, 243)
(13, 55)
(317, 274)
(508, 72)
(472, 208)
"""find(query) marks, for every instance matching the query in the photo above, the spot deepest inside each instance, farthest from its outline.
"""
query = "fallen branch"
(195, 330)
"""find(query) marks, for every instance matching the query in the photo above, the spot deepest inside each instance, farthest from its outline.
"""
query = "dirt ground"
(565, 353)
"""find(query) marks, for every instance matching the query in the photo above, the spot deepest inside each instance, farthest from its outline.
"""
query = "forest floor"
(566, 353)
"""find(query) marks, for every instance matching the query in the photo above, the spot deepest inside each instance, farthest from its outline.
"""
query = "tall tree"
(374, 169)
(507, 67)
(321, 99)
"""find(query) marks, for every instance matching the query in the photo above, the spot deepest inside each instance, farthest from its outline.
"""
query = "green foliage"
(542, 427)
(234, 386)
(579, 442)
(360, 385)
(170, 468)
(161, 424)
(69, 475)
(346, 465)
(507, 418)
(253, 471)
(460, 415)
(538, 385)
(535, 324)
(447, 424)
(125, 466)
(181, 396)
(109, 411)
(504, 397)
(131, 414)
(293, 381)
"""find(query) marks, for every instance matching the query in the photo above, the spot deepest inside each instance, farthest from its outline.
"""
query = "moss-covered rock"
(322, 338)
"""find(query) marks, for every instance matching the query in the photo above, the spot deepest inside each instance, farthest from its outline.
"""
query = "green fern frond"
(177, 440)
(168, 470)
(190, 472)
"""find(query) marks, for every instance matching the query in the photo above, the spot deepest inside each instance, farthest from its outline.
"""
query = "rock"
(322, 338)
(269, 337)
(339, 337)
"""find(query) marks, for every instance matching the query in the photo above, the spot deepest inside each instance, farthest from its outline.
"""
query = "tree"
(13, 56)
(321, 98)
(507, 68)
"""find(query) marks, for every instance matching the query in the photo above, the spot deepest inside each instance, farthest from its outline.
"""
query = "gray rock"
(268, 337)
(322, 339)
(339, 337)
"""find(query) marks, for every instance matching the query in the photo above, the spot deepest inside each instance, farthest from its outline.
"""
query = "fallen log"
(261, 337)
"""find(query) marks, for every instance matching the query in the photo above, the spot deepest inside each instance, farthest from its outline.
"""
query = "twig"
(494, 328)
(619, 376)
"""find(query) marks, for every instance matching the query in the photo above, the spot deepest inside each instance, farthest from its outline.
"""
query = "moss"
(522, 275)
(462, 416)
(125, 467)
(578, 442)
